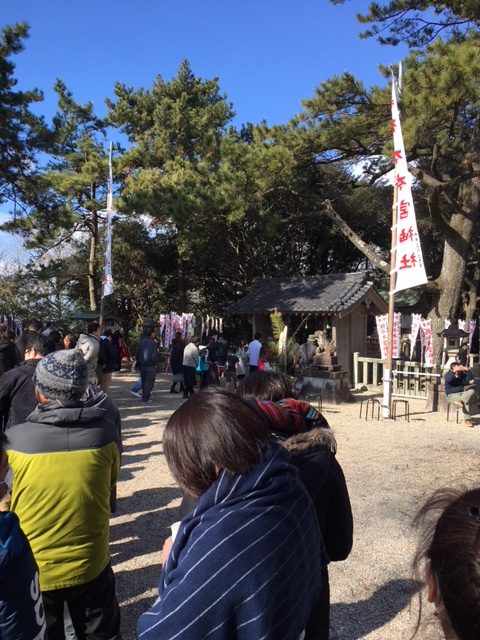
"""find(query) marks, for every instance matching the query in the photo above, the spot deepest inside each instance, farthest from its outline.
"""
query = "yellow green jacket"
(65, 460)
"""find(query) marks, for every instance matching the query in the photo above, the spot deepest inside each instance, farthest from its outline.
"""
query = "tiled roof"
(324, 294)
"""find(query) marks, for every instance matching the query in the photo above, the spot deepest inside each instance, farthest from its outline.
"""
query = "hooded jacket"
(96, 397)
(313, 453)
(65, 460)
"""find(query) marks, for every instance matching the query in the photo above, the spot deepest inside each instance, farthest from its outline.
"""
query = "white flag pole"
(107, 280)
(387, 369)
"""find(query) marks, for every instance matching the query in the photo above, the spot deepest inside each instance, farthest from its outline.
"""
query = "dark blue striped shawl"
(245, 564)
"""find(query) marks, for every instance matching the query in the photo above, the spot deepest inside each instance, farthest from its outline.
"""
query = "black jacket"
(176, 356)
(9, 356)
(107, 358)
(147, 353)
(313, 453)
(17, 394)
(457, 384)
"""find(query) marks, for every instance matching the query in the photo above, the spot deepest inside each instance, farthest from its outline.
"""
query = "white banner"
(426, 326)
(409, 267)
(107, 281)
(396, 336)
(382, 330)
(416, 321)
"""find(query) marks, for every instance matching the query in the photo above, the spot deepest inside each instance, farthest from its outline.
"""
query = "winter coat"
(313, 453)
(107, 357)
(95, 397)
(176, 356)
(190, 355)
(89, 345)
(17, 393)
(146, 353)
(221, 347)
(305, 434)
(457, 384)
(245, 564)
(9, 356)
(65, 460)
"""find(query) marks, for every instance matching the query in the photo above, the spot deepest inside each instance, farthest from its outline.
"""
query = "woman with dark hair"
(246, 562)
(267, 385)
(306, 435)
(448, 557)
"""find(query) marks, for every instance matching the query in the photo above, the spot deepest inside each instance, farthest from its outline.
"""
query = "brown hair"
(267, 385)
(451, 543)
(212, 431)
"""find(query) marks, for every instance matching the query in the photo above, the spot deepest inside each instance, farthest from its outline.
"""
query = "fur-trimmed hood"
(310, 440)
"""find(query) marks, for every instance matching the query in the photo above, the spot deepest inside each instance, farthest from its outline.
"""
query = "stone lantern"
(456, 349)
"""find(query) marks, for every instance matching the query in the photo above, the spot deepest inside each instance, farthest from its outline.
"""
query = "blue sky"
(268, 55)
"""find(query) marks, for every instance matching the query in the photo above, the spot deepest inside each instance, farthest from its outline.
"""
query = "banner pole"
(387, 370)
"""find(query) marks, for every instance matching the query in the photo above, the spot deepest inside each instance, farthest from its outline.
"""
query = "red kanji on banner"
(403, 207)
(394, 125)
(405, 234)
(408, 263)
(397, 155)
(400, 181)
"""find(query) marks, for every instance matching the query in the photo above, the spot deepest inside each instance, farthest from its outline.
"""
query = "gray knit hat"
(62, 375)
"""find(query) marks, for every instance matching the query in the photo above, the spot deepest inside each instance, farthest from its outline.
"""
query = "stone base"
(333, 385)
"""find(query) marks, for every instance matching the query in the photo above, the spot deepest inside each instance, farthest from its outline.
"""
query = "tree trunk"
(456, 252)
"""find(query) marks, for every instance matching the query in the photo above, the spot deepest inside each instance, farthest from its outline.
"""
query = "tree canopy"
(204, 208)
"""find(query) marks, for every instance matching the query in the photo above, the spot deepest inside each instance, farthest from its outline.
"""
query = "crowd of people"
(265, 504)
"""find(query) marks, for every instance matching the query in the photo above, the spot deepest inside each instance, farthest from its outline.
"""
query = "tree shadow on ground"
(143, 585)
(353, 621)
(140, 536)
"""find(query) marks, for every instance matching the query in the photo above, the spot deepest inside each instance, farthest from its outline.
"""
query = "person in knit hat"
(61, 375)
(65, 460)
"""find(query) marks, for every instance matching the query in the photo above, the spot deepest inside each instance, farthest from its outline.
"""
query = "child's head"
(450, 549)
(231, 351)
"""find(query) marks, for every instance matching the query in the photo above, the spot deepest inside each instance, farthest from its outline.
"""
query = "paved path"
(390, 467)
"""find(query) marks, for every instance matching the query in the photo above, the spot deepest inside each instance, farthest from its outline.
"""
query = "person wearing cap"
(65, 461)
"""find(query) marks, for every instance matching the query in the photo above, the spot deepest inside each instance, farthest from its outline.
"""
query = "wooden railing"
(409, 378)
(367, 371)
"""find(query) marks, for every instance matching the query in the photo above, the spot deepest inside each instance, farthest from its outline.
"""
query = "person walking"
(147, 362)
(190, 363)
(176, 362)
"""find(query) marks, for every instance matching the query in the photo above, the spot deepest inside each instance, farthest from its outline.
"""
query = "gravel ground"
(390, 468)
